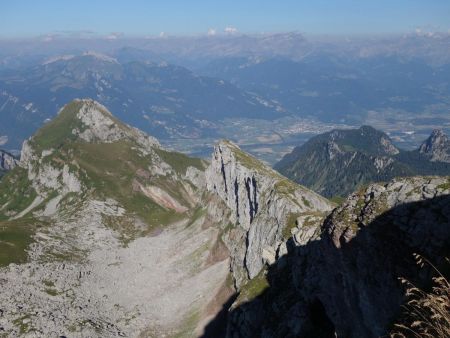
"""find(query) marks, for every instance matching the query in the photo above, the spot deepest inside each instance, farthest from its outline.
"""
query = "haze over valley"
(267, 92)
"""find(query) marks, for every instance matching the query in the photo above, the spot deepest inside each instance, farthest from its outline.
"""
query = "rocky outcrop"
(261, 202)
(437, 146)
(7, 161)
(99, 125)
(387, 146)
(347, 283)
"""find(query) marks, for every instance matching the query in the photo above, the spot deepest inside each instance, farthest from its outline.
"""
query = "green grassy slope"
(106, 170)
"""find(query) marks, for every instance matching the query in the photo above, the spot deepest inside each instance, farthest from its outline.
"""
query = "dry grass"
(426, 314)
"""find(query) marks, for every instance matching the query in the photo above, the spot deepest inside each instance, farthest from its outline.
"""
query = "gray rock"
(260, 200)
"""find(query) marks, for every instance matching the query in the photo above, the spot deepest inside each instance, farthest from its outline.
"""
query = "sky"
(25, 18)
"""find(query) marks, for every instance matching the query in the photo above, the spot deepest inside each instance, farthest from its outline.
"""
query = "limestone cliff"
(264, 207)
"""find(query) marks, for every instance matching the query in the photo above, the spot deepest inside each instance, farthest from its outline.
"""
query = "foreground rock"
(346, 284)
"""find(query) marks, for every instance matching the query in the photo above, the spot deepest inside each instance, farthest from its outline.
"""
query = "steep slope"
(103, 233)
(347, 283)
(338, 162)
(265, 208)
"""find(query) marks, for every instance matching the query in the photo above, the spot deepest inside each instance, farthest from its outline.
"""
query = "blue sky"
(186, 17)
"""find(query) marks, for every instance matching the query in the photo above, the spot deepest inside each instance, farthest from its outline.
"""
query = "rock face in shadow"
(347, 283)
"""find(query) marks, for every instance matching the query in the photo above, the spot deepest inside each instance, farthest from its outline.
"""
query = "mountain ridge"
(265, 207)
(163, 99)
(340, 161)
(103, 232)
(95, 208)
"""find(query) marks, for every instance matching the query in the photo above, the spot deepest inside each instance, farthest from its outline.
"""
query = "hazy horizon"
(23, 19)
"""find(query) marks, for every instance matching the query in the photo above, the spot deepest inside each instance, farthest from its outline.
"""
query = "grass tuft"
(426, 313)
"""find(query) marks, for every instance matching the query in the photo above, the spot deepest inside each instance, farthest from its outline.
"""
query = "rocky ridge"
(106, 208)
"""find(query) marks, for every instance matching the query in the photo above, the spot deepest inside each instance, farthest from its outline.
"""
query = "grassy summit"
(59, 130)
(144, 179)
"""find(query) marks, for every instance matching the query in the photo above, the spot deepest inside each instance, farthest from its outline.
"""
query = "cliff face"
(346, 284)
(264, 207)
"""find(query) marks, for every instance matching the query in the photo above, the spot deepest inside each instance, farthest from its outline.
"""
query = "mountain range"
(335, 87)
(182, 88)
(163, 99)
(338, 162)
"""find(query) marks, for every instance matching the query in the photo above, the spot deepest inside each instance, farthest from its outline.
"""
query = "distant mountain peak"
(365, 139)
(337, 162)
(367, 128)
(437, 146)
(58, 58)
(436, 138)
(100, 56)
